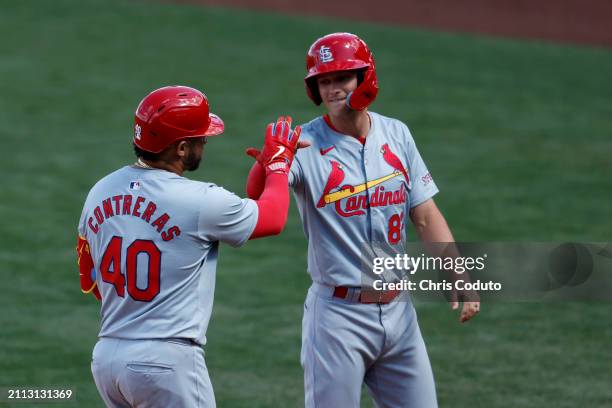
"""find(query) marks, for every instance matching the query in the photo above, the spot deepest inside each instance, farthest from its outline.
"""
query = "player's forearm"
(434, 233)
(435, 229)
(431, 228)
(256, 181)
(273, 206)
(431, 225)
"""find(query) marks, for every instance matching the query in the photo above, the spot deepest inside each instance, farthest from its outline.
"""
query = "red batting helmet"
(172, 113)
(341, 52)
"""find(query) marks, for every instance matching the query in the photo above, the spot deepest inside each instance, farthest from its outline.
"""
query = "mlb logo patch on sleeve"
(135, 185)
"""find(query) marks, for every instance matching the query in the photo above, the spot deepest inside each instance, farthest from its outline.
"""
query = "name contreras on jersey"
(127, 205)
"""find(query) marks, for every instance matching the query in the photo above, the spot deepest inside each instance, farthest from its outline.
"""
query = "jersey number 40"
(110, 268)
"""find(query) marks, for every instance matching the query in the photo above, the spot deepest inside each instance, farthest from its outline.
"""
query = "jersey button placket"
(370, 213)
(367, 192)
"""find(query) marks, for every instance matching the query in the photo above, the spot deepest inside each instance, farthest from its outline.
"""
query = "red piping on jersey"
(273, 206)
(327, 119)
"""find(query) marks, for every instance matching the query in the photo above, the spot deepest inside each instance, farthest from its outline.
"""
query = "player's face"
(334, 87)
(194, 153)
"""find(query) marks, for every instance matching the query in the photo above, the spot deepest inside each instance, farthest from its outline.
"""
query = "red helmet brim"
(216, 126)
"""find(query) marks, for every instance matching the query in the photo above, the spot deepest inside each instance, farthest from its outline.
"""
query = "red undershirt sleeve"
(273, 204)
(256, 181)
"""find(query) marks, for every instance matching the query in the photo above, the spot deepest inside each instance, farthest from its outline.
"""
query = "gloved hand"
(280, 145)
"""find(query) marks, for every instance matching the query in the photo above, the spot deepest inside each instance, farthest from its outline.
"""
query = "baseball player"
(148, 246)
(355, 187)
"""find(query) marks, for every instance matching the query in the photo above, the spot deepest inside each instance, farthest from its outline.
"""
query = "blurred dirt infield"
(573, 21)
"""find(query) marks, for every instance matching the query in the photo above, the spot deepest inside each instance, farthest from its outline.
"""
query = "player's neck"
(353, 123)
(175, 167)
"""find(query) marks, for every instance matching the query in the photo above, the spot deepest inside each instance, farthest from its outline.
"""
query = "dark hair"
(143, 154)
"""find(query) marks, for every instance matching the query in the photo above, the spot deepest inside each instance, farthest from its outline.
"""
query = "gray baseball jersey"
(350, 196)
(154, 240)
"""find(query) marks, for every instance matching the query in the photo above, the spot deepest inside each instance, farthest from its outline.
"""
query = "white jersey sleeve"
(423, 187)
(226, 217)
(296, 173)
(82, 227)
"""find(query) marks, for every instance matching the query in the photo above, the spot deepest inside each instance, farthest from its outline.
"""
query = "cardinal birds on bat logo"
(347, 199)
(325, 54)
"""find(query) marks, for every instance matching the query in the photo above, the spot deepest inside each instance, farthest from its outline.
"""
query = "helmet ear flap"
(366, 92)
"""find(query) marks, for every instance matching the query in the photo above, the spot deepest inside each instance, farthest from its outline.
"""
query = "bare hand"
(469, 310)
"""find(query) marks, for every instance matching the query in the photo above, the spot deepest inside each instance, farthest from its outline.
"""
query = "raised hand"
(280, 145)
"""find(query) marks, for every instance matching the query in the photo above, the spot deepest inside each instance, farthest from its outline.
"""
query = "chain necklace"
(143, 165)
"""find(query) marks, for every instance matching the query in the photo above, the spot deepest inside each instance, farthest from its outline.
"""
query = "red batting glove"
(280, 145)
(254, 153)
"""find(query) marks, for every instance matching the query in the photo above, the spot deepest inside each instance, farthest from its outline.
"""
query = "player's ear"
(181, 148)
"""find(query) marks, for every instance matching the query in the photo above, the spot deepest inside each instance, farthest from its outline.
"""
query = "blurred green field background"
(516, 134)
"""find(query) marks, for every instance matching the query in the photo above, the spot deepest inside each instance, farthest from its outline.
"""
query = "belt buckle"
(382, 296)
(369, 296)
(392, 294)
